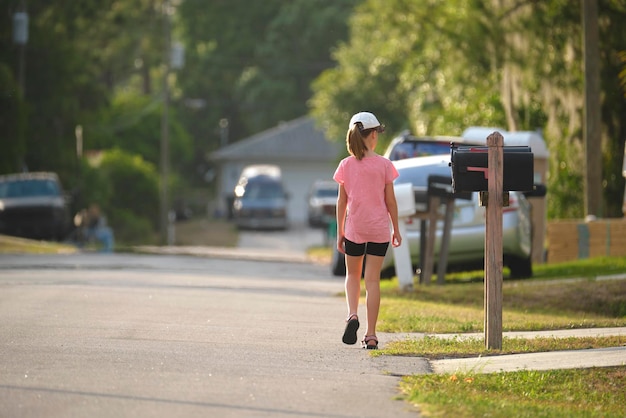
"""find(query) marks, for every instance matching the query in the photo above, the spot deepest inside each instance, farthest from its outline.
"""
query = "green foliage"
(252, 62)
(131, 228)
(439, 67)
(305, 32)
(432, 67)
(60, 81)
(565, 179)
(133, 123)
(395, 65)
(221, 37)
(90, 185)
(132, 208)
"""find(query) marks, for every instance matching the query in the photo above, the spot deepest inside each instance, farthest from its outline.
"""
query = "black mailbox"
(470, 167)
(441, 186)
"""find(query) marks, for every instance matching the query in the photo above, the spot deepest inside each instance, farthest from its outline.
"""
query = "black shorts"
(372, 248)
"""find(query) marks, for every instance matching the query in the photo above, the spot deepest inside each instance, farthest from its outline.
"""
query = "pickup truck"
(34, 205)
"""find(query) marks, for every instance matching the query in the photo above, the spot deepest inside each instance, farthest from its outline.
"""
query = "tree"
(295, 50)
(74, 60)
(439, 67)
(251, 63)
(133, 123)
(409, 64)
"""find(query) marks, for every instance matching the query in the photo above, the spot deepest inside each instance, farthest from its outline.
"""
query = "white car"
(322, 202)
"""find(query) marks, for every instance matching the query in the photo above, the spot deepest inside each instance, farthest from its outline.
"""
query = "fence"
(574, 240)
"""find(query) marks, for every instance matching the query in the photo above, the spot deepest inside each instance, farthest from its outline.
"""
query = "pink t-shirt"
(367, 218)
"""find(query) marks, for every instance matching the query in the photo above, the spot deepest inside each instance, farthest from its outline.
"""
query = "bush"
(133, 207)
(132, 229)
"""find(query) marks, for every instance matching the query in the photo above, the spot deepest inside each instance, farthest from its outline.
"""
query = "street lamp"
(20, 38)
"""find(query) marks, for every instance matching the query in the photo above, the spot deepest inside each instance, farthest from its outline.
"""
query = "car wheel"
(521, 268)
(338, 263)
(389, 272)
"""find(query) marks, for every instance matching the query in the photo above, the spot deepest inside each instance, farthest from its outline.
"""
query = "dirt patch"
(209, 232)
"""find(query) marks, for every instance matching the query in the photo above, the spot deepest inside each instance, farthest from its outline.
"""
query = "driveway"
(298, 237)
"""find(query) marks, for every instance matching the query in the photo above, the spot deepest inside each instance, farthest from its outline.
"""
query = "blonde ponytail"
(355, 140)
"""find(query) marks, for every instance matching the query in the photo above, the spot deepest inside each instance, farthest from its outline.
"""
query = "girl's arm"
(392, 208)
(342, 204)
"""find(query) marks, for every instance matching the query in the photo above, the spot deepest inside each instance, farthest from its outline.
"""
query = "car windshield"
(418, 175)
(327, 192)
(263, 191)
(412, 149)
(28, 188)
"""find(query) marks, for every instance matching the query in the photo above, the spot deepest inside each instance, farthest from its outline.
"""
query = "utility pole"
(592, 134)
(165, 128)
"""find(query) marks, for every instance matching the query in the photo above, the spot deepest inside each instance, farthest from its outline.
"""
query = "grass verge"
(434, 348)
(596, 392)
(568, 295)
(194, 232)
(14, 245)
(527, 305)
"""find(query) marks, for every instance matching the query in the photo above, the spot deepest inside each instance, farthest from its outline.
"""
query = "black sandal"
(370, 342)
(349, 334)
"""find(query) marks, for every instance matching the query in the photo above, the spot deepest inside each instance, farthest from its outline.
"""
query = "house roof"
(296, 140)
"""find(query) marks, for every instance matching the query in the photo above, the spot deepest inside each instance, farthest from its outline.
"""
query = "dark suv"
(33, 205)
(260, 199)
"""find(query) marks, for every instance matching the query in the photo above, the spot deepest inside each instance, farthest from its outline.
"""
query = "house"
(302, 152)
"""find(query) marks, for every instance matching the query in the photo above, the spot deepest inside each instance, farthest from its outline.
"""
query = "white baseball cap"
(368, 120)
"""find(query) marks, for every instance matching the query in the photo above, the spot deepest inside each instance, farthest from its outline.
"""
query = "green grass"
(14, 245)
(597, 392)
(587, 268)
(560, 296)
(433, 347)
(527, 305)
(193, 232)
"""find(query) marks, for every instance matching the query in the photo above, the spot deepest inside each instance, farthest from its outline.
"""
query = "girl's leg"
(354, 270)
(373, 264)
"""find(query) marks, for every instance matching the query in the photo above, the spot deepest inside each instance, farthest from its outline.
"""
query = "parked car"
(467, 242)
(406, 145)
(34, 205)
(322, 202)
(260, 199)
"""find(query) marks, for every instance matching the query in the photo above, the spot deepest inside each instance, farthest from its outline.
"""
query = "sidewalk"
(566, 359)
(230, 253)
(572, 359)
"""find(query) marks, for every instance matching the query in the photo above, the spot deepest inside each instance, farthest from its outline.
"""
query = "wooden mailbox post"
(493, 171)
(493, 243)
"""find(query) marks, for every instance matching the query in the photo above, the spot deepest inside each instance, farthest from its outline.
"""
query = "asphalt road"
(297, 237)
(91, 335)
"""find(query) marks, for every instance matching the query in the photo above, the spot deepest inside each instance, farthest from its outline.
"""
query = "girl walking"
(365, 205)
